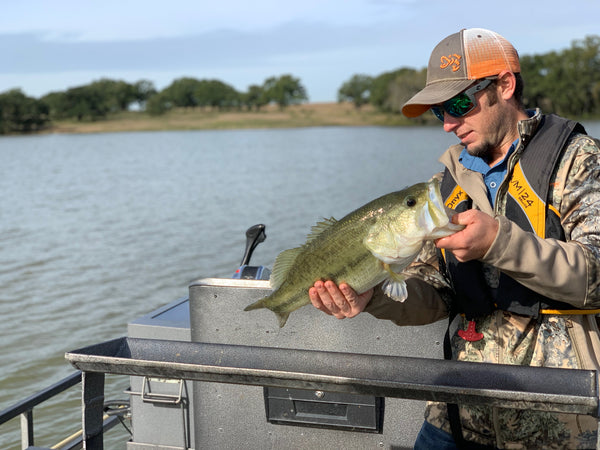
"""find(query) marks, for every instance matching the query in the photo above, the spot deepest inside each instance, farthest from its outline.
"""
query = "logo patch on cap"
(452, 60)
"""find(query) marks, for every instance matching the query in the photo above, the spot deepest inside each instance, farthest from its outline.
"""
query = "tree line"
(191, 93)
(566, 82)
(99, 99)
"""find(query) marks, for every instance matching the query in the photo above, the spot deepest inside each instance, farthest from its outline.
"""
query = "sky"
(50, 46)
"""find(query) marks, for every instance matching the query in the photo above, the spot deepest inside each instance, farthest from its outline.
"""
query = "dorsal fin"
(319, 228)
(282, 265)
(286, 258)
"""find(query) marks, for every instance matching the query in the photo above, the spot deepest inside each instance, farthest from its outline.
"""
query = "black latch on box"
(352, 412)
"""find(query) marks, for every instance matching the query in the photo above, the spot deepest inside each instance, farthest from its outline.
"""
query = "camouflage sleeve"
(576, 195)
(428, 294)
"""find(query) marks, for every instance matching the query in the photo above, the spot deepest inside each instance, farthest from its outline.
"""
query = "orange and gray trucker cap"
(457, 61)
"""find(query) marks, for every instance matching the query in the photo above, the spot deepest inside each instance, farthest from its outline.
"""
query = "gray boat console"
(228, 415)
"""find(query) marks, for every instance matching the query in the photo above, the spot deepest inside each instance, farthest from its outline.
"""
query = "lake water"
(97, 230)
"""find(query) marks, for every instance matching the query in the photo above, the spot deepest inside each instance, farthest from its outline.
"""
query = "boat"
(205, 374)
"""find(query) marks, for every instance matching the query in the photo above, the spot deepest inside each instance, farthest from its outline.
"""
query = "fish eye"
(410, 202)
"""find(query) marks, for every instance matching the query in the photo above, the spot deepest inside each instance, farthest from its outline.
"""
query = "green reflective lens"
(461, 104)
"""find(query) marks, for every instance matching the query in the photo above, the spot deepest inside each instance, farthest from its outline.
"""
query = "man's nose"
(450, 122)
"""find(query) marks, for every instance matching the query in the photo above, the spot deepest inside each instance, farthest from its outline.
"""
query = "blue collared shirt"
(492, 176)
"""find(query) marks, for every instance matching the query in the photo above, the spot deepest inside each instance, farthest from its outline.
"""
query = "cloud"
(32, 52)
(325, 54)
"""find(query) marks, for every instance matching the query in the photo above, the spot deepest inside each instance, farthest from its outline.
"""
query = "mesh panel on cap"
(488, 53)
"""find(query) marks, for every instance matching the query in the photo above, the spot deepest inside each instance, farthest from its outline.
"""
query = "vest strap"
(568, 312)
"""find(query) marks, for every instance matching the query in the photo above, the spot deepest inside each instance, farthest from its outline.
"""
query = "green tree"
(356, 90)
(158, 104)
(115, 95)
(183, 92)
(81, 103)
(87, 103)
(284, 91)
(565, 82)
(20, 113)
(391, 90)
(255, 98)
(143, 90)
(95, 100)
(582, 62)
(57, 104)
(539, 73)
(216, 94)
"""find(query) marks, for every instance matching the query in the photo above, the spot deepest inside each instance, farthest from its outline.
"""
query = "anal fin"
(394, 286)
(283, 317)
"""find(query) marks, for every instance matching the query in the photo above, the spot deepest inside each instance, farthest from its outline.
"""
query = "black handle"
(254, 236)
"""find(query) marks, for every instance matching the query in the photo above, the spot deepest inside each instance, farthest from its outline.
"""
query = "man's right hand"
(341, 302)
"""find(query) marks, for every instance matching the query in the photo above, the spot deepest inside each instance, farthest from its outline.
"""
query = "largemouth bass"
(374, 243)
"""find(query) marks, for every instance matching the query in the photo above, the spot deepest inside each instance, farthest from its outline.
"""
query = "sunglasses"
(461, 104)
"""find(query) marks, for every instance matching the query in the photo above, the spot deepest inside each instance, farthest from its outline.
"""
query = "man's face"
(486, 129)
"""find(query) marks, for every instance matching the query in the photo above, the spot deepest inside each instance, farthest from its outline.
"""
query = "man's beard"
(482, 151)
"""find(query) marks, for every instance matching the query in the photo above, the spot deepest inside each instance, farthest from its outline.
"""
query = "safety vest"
(528, 189)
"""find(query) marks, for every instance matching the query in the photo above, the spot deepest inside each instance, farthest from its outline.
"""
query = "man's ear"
(507, 82)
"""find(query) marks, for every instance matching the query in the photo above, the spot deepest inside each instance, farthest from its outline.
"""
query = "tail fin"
(256, 305)
(262, 303)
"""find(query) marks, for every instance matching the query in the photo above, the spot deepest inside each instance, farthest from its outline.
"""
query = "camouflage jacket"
(567, 271)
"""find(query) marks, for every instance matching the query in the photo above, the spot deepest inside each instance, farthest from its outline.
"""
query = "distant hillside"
(305, 115)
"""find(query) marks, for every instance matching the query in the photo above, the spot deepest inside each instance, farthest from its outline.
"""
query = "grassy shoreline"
(305, 115)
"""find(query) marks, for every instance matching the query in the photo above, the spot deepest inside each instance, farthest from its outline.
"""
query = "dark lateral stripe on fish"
(357, 261)
(291, 301)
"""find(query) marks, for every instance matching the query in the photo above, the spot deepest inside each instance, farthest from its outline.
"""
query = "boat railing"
(571, 391)
(25, 407)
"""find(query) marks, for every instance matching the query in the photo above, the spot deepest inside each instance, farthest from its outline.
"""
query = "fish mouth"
(435, 195)
(434, 218)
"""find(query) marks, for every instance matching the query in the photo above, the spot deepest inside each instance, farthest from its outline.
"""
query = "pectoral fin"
(394, 286)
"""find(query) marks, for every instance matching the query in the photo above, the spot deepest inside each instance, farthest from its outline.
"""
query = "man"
(522, 278)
